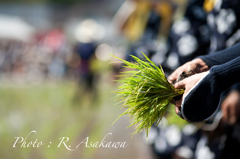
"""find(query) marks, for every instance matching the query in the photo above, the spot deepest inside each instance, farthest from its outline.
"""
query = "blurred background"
(57, 76)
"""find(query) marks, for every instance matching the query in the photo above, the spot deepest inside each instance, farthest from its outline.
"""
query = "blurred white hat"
(89, 30)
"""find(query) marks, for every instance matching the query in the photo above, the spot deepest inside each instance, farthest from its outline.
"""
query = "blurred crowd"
(42, 58)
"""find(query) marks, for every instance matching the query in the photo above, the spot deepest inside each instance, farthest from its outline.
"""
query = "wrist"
(200, 65)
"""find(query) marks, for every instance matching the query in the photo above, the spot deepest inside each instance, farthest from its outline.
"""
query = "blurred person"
(86, 35)
(219, 35)
(155, 27)
(145, 28)
(191, 39)
(185, 41)
(145, 24)
(87, 81)
(189, 36)
(203, 29)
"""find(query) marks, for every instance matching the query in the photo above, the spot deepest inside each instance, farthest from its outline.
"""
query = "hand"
(231, 107)
(190, 68)
(187, 84)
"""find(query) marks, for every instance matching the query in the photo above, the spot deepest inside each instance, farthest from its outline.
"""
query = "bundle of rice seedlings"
(145, 92)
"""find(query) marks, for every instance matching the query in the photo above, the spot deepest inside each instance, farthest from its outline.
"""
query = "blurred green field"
(51, 110)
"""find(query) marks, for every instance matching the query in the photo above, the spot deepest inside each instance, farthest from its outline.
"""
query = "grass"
(49, 109)
(145, 93)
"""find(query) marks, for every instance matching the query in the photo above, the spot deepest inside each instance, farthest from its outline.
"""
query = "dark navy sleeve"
(203, 100)
(222, 56)
(236, 87)
(227, 74)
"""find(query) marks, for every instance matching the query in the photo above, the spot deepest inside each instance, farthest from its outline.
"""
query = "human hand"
(231, 107)
(188, 69)
(187, 84)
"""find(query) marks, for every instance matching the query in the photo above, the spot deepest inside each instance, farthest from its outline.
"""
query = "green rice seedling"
(145, 92)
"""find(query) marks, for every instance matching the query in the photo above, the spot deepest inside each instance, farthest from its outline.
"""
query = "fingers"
(178, 103)
(201, 66)
(232, 115)
(177, 109)
(178, 112)
(180, 85)
(229, 114)
(173, 77)
(191, 67)
(230, 108)
(176, 74)
(224, 112)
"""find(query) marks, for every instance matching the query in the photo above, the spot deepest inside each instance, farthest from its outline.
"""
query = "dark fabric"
(227, 74)
(224, 23)
(152, 26)
(146, 43)
(86, 50)
(203, 100)
(221, 57)
(190, 36)
(236, 87)
(232, 143)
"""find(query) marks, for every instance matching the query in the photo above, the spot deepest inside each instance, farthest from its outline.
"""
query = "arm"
(222, 56)
(202, 91)
(204, 63)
